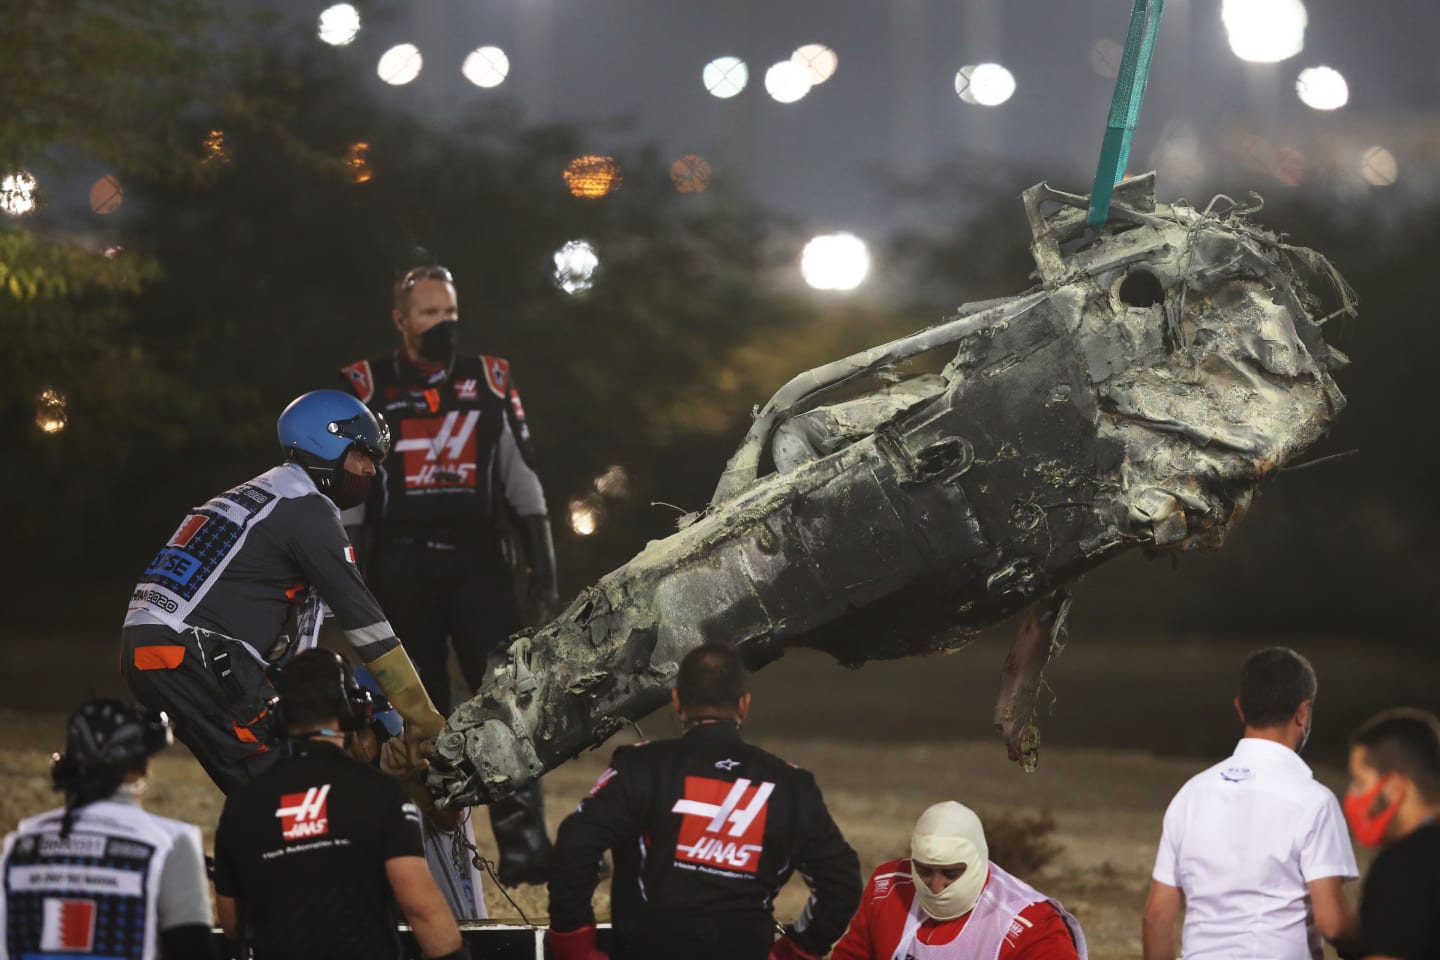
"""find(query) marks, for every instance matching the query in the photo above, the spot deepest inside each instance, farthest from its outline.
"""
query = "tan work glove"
(398, 763)
(406, 754)
(401, 685)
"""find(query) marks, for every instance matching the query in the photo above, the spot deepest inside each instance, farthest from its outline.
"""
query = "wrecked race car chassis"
(1136, 397)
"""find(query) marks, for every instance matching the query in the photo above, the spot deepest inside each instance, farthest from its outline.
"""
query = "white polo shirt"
(1241, 841)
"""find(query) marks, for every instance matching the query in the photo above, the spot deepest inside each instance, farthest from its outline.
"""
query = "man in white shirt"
(1254, 850)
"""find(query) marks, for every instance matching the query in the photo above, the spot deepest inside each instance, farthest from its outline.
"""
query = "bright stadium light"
(213, 146)
(690, 174)
(17, 193)
(592, 176)
(787, 83)
(400, 64)
(486, 67)
(1379, 167)
(817, 60)
(50, 413)
(1322, 88)
(725, 76)
(835, 261)
(106, 195)
(339, 25)
(1265, 31)
(986, 84)
(357, 159)
(614, 482)
(584, 517)
(575, 266)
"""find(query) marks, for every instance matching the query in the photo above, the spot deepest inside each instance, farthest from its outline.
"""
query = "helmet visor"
(368, 430)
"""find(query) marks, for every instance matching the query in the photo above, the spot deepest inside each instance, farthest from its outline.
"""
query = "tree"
(284, 270)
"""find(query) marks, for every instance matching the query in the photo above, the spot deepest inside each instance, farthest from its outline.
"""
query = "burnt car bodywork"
(1134, 398)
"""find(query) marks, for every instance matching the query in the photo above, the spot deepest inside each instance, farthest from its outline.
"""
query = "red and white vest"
(988, 923)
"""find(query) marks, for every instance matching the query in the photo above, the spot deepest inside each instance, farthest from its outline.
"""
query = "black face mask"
(438, 343)
(350, 489)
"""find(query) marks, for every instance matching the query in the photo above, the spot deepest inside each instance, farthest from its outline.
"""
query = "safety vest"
(200, 549)
(91, 893)
(984, 932)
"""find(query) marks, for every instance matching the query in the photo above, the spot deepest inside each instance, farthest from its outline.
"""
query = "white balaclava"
(949, 833)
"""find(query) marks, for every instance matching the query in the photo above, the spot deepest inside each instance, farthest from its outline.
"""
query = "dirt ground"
(1106, 806)
(1128, 724)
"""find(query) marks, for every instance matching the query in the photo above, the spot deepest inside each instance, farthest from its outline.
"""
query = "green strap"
(1125, 106)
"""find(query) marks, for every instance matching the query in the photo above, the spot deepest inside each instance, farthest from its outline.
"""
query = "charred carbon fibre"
(1135, 398)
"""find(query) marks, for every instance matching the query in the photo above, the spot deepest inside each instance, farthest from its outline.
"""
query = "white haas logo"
(450, 441)
(447, 438)
(303, 815)
(724, 822)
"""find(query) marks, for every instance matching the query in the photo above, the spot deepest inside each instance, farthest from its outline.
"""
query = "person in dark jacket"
(313, 857)
(705, 831)
(460, 487)
(1394, 803)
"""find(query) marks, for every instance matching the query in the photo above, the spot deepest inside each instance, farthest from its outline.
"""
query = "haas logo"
(303, 815)
(724, 823)
(439, 452)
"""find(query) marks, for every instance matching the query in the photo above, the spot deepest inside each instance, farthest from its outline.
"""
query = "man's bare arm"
(1157, 926)
(228, 910)
(424, 906)
(1335, 916)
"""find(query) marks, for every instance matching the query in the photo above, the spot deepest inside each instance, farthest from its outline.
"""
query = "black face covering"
(350, 489)
(438, 343)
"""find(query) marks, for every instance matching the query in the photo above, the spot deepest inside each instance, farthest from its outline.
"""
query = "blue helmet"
(320, 427)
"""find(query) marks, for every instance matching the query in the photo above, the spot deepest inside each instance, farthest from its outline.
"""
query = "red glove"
(575, 945)
(787, 949)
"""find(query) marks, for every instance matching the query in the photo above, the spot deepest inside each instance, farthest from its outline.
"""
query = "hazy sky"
(891, 105)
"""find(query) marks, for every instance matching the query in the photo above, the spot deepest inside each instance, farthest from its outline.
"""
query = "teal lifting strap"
(1125, 106)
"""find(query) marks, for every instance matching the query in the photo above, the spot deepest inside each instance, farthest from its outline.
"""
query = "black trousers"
(466, 595)
(463, 594)
(216, 694)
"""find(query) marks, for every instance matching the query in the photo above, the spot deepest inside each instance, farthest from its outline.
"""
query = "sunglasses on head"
(425, 273)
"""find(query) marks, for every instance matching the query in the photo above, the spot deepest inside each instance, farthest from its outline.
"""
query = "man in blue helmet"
(243, 583)
(100, 876)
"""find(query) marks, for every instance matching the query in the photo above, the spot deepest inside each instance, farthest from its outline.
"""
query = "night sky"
(891, 109)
